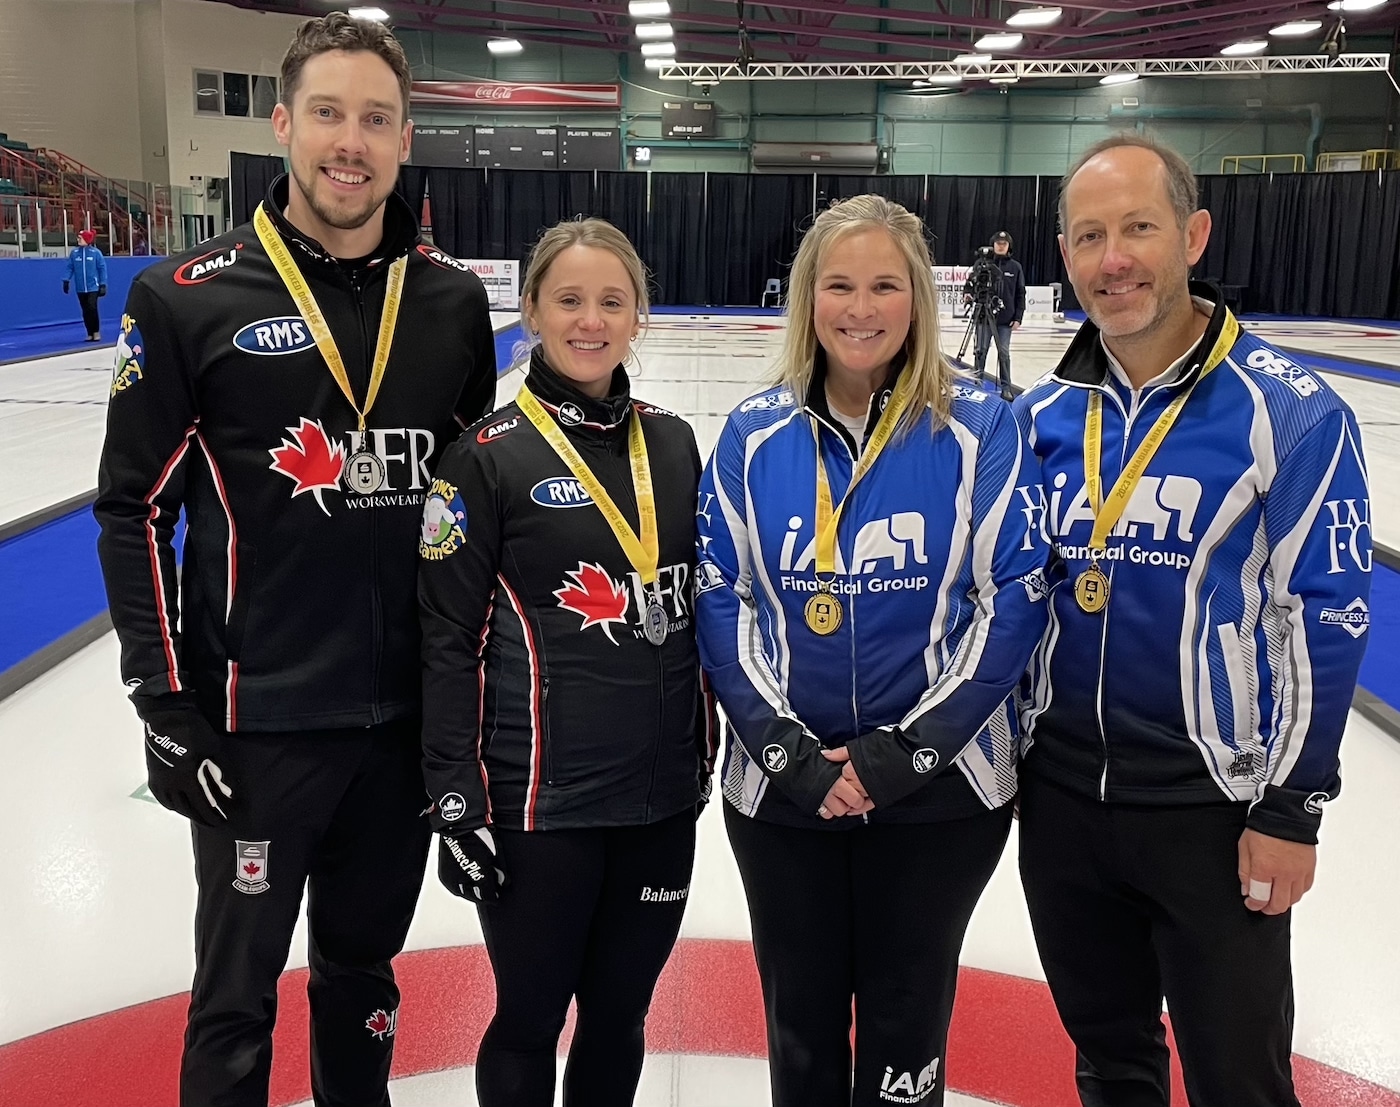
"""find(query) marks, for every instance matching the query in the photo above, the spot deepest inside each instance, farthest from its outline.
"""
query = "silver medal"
(365, 472)
(656, 623)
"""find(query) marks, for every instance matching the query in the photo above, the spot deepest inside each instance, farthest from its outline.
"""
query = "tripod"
(983, 313)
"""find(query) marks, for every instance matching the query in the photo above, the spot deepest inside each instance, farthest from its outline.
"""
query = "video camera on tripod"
(983, 283)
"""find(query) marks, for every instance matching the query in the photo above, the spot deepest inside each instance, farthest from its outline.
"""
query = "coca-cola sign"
(504, 94)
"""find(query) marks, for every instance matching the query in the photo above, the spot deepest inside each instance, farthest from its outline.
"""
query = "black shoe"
(1008, 395)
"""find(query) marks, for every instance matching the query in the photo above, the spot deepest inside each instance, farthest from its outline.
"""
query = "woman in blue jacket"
(87, 275)
(870, 587)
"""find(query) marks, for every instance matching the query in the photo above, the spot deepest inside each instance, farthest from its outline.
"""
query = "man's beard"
(339, 218)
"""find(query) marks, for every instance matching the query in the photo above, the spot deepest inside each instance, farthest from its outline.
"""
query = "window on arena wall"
(208, 93)
(234, 95)
(264, 97)
(237, 100)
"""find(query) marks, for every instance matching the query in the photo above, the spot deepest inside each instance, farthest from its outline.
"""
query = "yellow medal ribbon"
(823, 611)
(316, 322)
(1091, 586)
(645, 552)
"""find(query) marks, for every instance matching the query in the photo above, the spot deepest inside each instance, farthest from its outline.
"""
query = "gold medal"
(823, 613)
(1091, 586)
(1091, 590)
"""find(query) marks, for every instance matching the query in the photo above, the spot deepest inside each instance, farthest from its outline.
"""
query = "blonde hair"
(931, 375)
(578, 232)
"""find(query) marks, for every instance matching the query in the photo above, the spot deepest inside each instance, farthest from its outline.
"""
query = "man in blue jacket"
(87, 275)
(1207, 502)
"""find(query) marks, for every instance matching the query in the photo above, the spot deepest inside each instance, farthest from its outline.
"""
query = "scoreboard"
(516, 147)
(450, 147)
(590, 148)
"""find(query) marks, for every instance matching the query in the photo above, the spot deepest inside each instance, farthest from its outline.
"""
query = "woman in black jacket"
(567, 739)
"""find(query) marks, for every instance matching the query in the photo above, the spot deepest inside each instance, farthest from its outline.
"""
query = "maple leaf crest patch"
(590, 592)
(310, 459)
(250, 867)
(382, 1024)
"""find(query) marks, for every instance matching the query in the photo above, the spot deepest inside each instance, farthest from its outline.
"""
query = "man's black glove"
(182, 767)
(468, 865)
(102, 290)
(65, 288)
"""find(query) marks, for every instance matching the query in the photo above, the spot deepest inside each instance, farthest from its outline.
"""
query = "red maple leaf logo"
(310, 460)
(381, 1024)
(596, 596)
(252, 868)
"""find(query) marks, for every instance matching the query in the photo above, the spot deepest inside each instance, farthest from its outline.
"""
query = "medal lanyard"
(311, 313)
(645, 552)
(1108, 512)
(828, 519)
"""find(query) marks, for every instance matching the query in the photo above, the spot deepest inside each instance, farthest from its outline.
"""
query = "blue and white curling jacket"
(943, 585)
(1223, 666)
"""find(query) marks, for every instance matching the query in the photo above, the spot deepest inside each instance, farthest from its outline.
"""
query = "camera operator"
(996, 288)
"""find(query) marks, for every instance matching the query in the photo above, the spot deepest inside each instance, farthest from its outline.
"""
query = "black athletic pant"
(588, 915)
(876, 913)
(1131, 904)
(91, 323)
(341, 810)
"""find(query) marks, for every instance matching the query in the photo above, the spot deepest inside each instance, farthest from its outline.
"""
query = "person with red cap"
(87, 274)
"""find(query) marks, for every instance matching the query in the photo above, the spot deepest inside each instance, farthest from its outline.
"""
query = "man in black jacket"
(1010, 290)
(290, 387)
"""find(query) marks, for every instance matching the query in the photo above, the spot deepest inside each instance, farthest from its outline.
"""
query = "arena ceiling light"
(654, 31)
(502, 46)
(378, 15)
(648, 9)
(1035, 17)
(1003, 40)
(1119, 79)
(972, 59)
(1296, 28)
(945, 79)
(1354, 5)
(658, 49)
(1244, 49)
(1004, 80)
(657, 63)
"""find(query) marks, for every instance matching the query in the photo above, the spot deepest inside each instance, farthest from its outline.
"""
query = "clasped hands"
(848, 795)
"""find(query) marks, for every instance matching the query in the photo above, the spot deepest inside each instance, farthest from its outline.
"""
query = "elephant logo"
(1156, 502)
(893, 539)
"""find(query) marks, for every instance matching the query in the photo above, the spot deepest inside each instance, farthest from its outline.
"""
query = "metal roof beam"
(1064, 67)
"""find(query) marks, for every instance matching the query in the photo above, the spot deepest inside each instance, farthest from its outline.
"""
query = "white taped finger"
(1261, 889)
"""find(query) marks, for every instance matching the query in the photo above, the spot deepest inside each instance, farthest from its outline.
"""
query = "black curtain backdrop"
(413, 186)
(248, 178)
(752, 223)
(1318, 244)
(671, 245)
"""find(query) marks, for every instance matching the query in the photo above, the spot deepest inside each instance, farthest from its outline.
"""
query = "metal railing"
(1263, 163)
(1351, 160)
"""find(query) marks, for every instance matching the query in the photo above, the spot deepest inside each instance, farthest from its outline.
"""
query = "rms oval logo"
(561, 492)
(282, 334)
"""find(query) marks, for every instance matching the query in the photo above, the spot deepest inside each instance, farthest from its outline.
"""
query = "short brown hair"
(338, 31)
(1181, 182)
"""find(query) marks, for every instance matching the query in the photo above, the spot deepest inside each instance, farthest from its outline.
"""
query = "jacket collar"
(1086, 361)
(570, 408)
(400, 226)
(817, 405)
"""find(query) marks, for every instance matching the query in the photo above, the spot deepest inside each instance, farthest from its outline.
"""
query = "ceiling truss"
(702, 73)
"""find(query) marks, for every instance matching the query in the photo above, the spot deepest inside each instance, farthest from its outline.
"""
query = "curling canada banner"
(504, 94)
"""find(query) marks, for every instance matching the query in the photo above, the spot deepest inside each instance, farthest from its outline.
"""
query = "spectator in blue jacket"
(87, 274)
